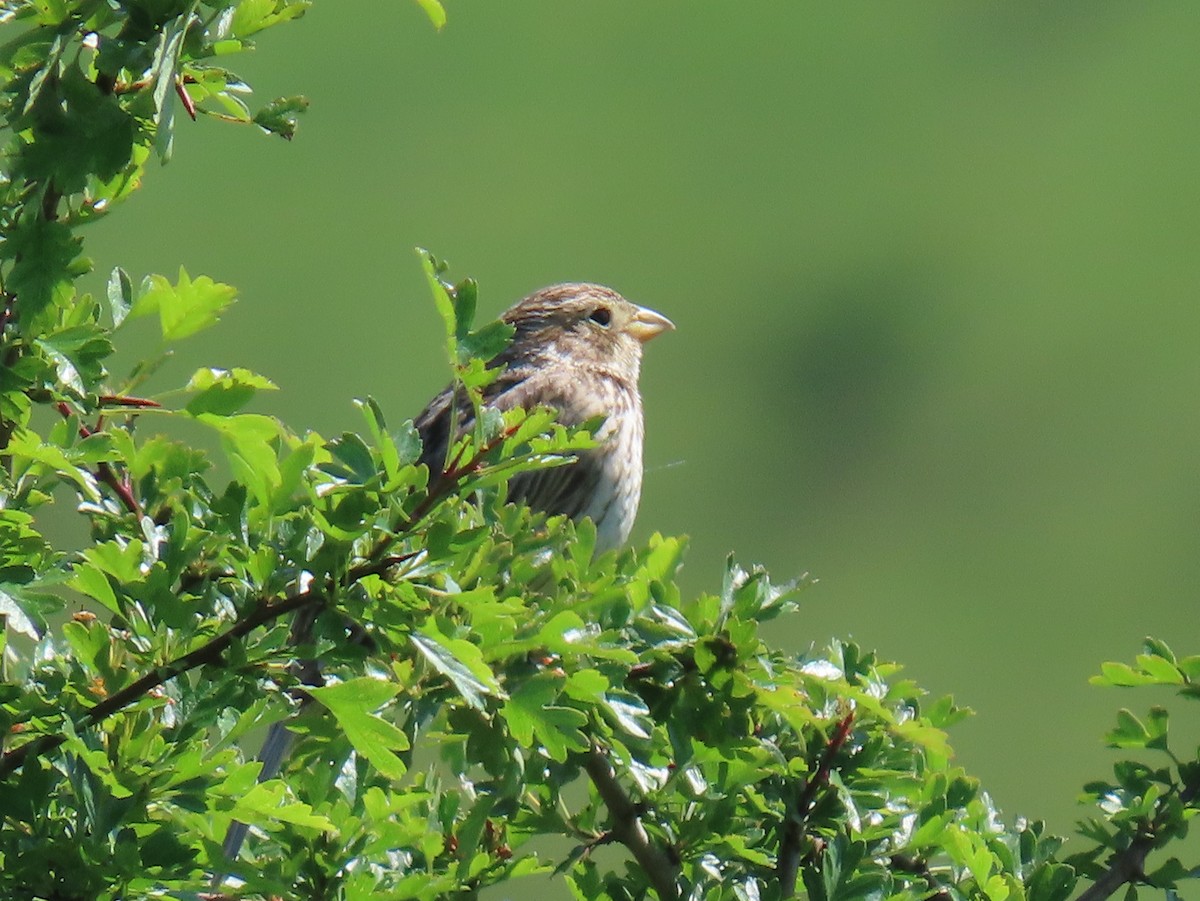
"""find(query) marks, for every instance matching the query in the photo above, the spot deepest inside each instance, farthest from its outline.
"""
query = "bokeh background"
(934, 269)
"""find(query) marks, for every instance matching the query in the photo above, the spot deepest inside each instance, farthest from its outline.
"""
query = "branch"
(791, 842)
(206, 654)
(627, 826)
(1128, 864)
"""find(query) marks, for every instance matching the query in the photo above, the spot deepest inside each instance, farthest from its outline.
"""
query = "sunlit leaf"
(435, 11)
(459, 661)
(374, 738)
(184, 308)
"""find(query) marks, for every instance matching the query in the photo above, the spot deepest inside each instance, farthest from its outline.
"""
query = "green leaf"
(184, 308)
(79, 132)
(466, 299)
(487, 342)
(120, 295)
(1120, 674)
(13, 616)
(164, 71)
(224, 391)
(98, 765)
(629, 712)
(1156, 728)
(1161, 670)
(408, 443)
(268, 802)
(930, 832)
(944, 713)
(389, 454)
(441, 299)
(1156, 648)
(89, 580)
(249, 442)
(531, 713)
(435, 11)
(1129, 732)
(927, 737)
(358, 466)
(460, 662)
(281, 116)
(1051, 882)
(660, 563)
(374, 738)
(586, 685)
(121, 560)
(76, 353)
(1190, 667)
(252, 16)
(27, 446)
(45, 257)
(89, 641)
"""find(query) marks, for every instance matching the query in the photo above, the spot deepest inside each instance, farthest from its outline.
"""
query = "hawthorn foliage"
(487, 680)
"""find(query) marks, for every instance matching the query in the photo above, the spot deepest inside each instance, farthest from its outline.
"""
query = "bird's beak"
(646, 324)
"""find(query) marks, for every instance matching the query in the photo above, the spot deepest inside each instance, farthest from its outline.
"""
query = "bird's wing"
(561, 489)
(452, 406)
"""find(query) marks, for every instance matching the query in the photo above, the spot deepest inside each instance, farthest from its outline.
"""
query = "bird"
(577, 349)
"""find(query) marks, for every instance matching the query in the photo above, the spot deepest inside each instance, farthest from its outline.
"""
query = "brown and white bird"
(577, 348)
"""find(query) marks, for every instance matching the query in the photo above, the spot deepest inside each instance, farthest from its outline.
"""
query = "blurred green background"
(934, 268)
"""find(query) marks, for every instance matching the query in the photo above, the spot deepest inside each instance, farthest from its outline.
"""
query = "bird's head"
(589, 324)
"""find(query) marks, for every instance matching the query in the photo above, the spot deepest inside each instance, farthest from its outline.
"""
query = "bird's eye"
(601, 316)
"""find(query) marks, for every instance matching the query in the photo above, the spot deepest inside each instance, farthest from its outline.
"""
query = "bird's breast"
(605, 482)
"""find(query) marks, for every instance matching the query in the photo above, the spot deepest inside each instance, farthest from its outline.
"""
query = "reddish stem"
(185, 99)
(105, 473)
(123, 400)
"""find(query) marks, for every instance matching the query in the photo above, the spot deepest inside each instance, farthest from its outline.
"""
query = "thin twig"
(627, 827)
(120, 487)
(185, 99)
(105, 473)
(132, 87)
(124, 400)
(443, 487)
(207, 654)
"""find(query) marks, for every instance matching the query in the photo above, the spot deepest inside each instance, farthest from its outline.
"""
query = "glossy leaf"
(373, 737)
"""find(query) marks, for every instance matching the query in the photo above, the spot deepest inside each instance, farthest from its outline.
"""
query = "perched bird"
(577, 348)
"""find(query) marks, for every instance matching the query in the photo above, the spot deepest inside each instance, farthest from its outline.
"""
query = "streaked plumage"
(577, 348)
